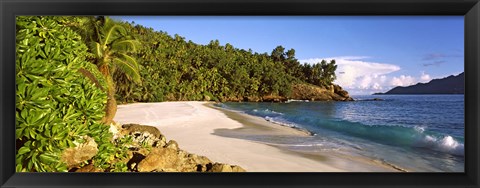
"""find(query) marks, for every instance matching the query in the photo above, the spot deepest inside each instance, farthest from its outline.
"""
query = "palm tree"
(111, 50)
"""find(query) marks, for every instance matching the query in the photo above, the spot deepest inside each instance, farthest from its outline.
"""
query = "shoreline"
(203, 129)
(249, 121)
(256, 125)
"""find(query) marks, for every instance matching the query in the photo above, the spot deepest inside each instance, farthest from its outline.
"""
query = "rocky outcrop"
(218, 167)
(160, 160)
(316, 93)
(149, 151)
(135, 128)
(167, 156)
(89, 168)
(81, 153)
(274, 98)
(301, 92)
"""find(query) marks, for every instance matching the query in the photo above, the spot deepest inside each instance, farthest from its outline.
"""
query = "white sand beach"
(192, 125)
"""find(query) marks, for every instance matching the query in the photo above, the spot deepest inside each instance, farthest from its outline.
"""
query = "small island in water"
(96, 94)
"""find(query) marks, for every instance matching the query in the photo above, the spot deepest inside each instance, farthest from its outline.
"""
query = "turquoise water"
(416, 132)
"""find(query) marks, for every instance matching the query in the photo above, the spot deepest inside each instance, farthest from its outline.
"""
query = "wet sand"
(219, 134)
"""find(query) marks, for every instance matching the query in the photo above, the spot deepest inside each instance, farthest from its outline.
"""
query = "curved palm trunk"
(111, 107)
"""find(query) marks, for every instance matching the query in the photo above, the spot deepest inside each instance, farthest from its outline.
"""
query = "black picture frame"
(470, 9)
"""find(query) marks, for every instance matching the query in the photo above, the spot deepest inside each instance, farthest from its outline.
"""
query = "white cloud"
(402, 80)
(425, 77)
(360, 76)
(354, 72)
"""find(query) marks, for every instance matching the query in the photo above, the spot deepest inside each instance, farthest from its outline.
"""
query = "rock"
(131, 128)
(160, 160)
(89, 168)
(163, 156)
(172, 144)
(81, 153)
(162, 141)
(236, 168)
(339, 90)
(116, 130)
(134, 160)
(218, 167)
(144, 135)
(317, 93)
(331, 88)
(273, 98)
(192, 162)
(201, 159)
(251, 99)
(374, 99)
(144, 138)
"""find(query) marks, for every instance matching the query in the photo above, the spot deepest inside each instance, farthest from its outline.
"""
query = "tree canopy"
(175, 69)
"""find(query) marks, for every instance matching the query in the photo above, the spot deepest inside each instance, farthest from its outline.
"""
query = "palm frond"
(130, 45)
(130, 60)
(128, 69)
(97, 49)
(112, 34)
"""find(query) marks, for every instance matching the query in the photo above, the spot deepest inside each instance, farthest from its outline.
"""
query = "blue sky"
(373, 53)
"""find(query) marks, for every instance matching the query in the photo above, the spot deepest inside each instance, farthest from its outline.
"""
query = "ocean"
(420, 133)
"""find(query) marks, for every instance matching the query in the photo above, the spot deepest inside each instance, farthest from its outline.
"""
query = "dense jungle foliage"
(175, 69)
(71, 70)
(56, 106)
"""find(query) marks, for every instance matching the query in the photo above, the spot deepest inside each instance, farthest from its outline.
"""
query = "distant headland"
(448, 85)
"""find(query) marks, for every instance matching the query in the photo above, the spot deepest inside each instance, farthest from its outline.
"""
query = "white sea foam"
(294, 100)
(277, 121)
(447, 144)
(419, 129)
(267, 111)
(282, 122)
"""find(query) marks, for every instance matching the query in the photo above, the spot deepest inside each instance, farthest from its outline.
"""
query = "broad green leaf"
(23, 150)
(48, 158)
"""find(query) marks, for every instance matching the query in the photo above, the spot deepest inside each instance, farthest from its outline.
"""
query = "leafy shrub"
(56, 106)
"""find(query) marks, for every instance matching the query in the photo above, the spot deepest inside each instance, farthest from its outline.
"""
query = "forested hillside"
(172, 68)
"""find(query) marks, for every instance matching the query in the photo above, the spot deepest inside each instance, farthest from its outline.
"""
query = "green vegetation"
(111, 50)
(175, 69)
(69, 70)
(56, 106)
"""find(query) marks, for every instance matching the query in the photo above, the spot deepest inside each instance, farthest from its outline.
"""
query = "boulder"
(81, 153)
(218, 167)
(274, 98)
(236, 168)
(144, 135)
(200, 159)
(163, 156)
(252, 99)
(331, 88)
(172, 144)
(132, 128)
(89, 168)
(116, 130)
(134, 160)
(160, 160)
(339, 90)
